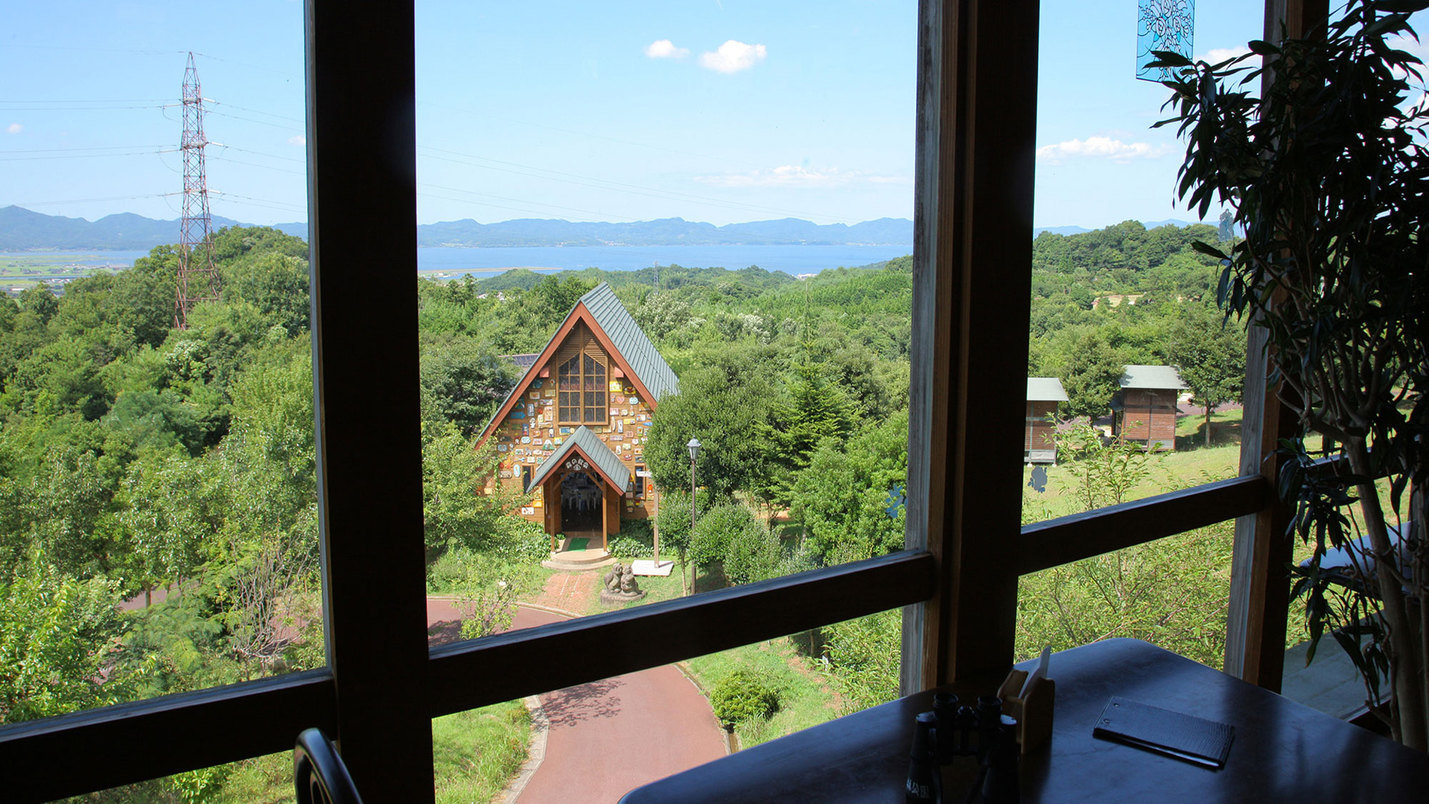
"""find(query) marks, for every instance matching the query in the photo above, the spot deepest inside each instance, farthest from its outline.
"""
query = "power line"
(230, 161)
(88, 148)
(137, 197)
(86, 156)
(257, 122)
(253, 111)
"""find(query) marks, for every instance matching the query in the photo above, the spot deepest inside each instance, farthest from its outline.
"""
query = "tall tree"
(848, 499)
(722, 403)
(812, 408)
(1209, 353)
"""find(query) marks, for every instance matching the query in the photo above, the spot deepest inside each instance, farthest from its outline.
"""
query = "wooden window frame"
(585, 340)
(957, 580)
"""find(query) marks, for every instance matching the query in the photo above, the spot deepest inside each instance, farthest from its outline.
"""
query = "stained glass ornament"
(1163, 25)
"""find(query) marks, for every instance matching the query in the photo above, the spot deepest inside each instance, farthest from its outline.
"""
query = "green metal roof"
(1045, 389)
(1154, 377)
(631, 341)
(586, 443)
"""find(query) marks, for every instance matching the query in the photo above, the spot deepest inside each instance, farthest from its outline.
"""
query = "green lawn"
(805, 698)
(476, 753)
(1191, 464)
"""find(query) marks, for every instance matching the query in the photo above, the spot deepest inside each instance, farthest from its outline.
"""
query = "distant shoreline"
(486, 261)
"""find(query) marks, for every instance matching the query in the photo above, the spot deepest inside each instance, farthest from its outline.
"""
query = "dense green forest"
(137, 458)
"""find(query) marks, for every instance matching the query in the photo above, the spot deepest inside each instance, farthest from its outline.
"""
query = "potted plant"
(1328, 176)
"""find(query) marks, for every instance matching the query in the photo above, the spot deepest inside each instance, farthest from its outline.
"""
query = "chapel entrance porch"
(583, 485)
(576, 520)
(581, 508)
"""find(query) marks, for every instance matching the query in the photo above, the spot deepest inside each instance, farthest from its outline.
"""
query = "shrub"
(641, 530)
(716, 528)
(752, 554)
(741, 696)
(627, 548)
(531, 548)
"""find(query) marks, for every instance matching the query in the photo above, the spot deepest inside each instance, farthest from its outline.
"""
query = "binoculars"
(954, 729)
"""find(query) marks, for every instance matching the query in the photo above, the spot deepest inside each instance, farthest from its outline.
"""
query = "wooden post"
(655, 528)
(1260, 586)
(694, 572)
(973, 244)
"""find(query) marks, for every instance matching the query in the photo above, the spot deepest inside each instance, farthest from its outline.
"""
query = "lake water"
(790, 259)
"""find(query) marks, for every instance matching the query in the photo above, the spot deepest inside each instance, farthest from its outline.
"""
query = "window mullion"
(362, 217)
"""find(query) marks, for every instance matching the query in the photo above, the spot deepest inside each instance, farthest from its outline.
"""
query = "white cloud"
(1410, 45)
(1220, 54)
(14, 128)
(1099, 148)
(795, 176)
(665, 49)
(297, 139)
(733, 56)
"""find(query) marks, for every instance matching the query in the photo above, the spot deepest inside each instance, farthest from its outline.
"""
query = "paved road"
(609, 736)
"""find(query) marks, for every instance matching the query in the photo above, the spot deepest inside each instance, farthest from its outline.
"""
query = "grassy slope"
(1190, 465)
(804, 697)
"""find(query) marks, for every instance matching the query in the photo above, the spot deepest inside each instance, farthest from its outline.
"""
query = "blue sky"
(712, 110)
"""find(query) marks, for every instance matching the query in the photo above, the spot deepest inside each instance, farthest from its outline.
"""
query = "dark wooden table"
(1282, 751)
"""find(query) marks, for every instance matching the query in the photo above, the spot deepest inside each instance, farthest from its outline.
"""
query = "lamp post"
(694, 447)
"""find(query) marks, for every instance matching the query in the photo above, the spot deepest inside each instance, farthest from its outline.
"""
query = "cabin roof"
(584, 443)
(1045, 389)
(1154, 377)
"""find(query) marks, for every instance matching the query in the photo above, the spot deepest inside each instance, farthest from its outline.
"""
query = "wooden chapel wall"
(552, 497)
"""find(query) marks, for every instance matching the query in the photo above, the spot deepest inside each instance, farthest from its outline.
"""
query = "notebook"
(1175, 734)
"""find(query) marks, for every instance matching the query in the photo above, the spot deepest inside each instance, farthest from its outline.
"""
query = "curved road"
(609, 736)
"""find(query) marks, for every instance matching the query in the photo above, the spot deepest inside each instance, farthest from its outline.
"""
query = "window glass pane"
(1172, 592)
(479, 753)
(1134, 384)
(1126, 346)
(775, 330)
(700, 231)
(158, 518)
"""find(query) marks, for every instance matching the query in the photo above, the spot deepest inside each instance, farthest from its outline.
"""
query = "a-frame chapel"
(572, 431)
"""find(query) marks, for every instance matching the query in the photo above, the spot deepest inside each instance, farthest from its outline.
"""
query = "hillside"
(24, 230)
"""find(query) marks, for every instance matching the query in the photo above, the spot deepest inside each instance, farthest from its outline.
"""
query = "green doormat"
(578, 544)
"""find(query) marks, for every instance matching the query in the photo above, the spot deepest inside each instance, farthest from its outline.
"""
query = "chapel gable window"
(581, 373)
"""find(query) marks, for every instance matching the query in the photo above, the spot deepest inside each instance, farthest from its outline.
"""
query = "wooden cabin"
(1043, 394)
(572, 432)
(1145, 407)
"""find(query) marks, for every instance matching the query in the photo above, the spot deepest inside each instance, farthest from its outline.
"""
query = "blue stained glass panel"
(1163, 25)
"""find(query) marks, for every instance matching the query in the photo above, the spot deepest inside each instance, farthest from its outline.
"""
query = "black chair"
(319, 774)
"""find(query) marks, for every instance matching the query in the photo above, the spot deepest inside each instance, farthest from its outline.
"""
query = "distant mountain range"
(24, 230)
